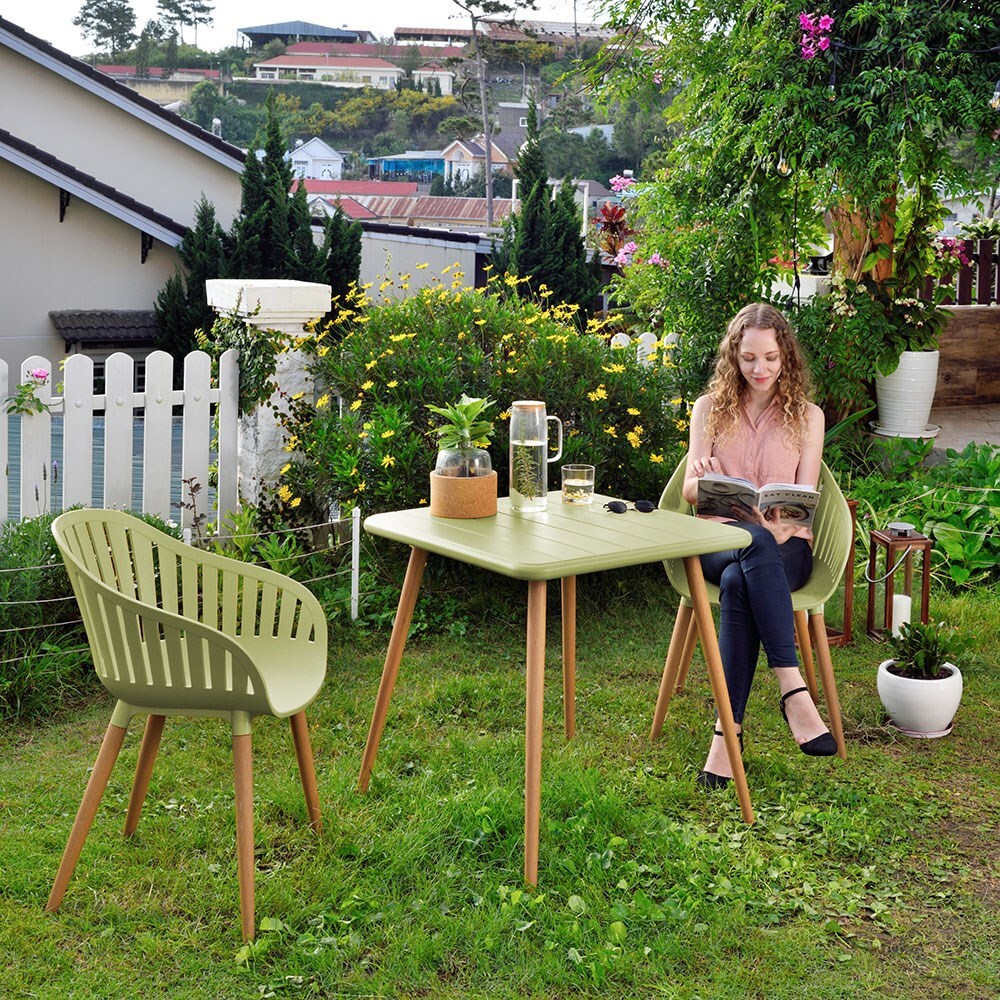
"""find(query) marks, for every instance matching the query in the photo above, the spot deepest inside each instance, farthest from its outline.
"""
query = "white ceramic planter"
(905, 397)
(921, 708)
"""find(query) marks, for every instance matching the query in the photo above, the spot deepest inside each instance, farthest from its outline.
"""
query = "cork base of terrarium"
(463, 496)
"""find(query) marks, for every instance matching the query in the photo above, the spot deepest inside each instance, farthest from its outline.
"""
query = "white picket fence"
(118, 407)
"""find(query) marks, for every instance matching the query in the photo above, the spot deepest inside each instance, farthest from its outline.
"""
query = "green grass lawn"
(877, 877)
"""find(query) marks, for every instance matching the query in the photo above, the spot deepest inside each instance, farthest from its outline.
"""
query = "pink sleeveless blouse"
(761, 452)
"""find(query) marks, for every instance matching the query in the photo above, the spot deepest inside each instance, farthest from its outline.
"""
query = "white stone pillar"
(285, 306)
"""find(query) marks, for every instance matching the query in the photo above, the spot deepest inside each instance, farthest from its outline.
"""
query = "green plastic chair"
(177, 631)
(832, 531)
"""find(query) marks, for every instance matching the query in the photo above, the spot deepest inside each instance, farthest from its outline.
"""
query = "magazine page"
(718, 495)
(797, 503)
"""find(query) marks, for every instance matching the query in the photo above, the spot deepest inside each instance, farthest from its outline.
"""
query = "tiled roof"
(373, 49)
(325, 187)
(351, 62)
(105, 326)
(351, 208)
(436, 208)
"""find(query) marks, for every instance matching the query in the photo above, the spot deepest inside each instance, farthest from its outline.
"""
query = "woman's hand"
(699, 466)
(782, 530)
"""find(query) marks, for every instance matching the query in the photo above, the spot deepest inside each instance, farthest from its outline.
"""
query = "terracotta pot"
(463, 496)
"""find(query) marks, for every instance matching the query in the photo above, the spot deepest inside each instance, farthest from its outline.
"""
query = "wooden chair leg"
(686, 656)
(143, 771)
(307, 770)
(678, 645)
(805, 651)
(243, 785)
(817, 626)
(106, 757)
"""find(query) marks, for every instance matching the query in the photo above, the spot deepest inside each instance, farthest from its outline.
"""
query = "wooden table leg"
(568, 591)
(534, 695)
(400, 628)
(713, 661)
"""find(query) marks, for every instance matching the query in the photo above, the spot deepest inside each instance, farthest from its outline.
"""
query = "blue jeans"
(755, 586)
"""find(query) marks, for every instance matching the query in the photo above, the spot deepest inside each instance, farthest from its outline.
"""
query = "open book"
(718, 495)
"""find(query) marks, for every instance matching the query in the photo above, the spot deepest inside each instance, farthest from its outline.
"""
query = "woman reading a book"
(757, 423)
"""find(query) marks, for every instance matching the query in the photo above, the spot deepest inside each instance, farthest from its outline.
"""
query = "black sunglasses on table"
(620, 506)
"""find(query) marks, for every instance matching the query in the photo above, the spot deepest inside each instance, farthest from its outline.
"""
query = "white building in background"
(435, 73)
(316, 160)
(341, 71)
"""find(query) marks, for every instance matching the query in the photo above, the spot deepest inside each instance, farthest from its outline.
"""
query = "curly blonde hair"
(728, 387)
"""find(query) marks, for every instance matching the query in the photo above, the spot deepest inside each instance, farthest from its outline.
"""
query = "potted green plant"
(463, 483)
(921, 686)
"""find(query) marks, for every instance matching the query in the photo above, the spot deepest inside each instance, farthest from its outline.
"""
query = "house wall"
(387, 256)
(156, 164)
(88, 261)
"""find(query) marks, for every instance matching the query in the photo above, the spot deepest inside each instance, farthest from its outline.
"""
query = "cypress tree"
(531, 250)
(343, 262)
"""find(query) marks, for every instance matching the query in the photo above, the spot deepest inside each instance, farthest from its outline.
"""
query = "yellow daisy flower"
(387, 461)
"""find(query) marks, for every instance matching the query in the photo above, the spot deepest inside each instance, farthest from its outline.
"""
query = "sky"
(52, 20)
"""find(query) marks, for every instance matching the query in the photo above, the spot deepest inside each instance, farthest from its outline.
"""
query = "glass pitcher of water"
(529, 445)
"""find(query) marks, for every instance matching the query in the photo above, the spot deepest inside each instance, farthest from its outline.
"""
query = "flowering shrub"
(25, 399)
(388, 360)
(858, 331)
(951, 252)
(815, 34)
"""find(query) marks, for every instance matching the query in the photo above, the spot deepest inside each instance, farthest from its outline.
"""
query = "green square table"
(559, 543)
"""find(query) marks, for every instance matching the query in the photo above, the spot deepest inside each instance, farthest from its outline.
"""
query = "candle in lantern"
(901, 609)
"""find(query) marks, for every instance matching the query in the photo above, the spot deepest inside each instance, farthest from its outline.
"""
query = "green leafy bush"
(44, 657)
(387, 361)
(957, 503)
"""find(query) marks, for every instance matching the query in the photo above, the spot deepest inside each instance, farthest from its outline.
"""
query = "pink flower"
(823, 43)
(806, 22)
(825, 23)
(657, 77)
(40, 375)
(808, 52)
(619, 183)
(655, 258)
(629, 247)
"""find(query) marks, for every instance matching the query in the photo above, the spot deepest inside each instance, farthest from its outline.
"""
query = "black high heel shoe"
(706, 779)
(823, 745)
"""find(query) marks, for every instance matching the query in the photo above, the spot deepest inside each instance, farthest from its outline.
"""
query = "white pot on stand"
(906, 395)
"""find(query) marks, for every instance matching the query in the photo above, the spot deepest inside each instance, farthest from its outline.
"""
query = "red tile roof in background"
(371, 49)
(388, 188)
